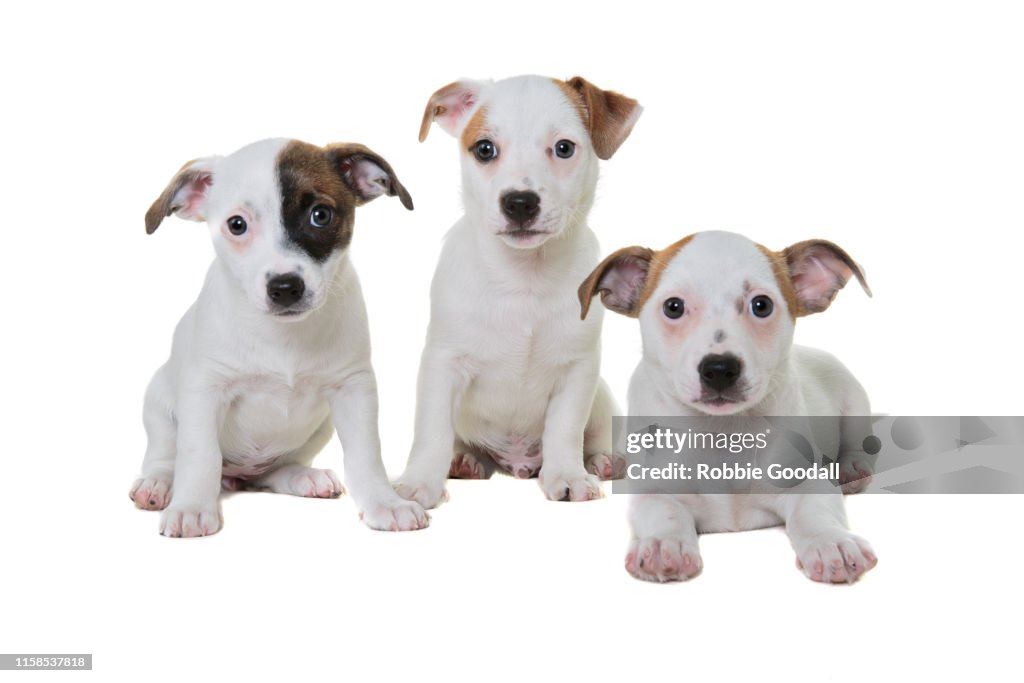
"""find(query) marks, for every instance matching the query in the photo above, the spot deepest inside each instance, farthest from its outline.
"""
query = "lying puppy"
(509, 376)
(275, 353)
(717, 314)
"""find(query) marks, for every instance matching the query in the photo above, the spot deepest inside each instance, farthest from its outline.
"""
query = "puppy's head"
(530, 147)
(717, 311)
(280, 213)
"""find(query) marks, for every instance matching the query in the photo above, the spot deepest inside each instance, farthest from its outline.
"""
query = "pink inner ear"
(191, 198)
(368, 179)
(621, 284)
(455, 106)
(820, 275)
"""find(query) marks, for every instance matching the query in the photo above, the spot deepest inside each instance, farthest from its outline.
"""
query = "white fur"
(250, 395)
(509, 368)
(711, 274)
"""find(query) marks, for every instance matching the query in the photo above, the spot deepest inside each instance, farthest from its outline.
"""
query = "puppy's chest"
(529, 334)
(269, 416)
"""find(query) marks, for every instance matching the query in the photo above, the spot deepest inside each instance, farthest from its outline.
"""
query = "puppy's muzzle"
(719, 372)
(285, 290)
(521, 208)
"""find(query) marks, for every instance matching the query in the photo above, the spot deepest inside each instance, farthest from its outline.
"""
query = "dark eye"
(565, 149)
(673, 308)
(761, 306)
(321, 216)
(485, 151)
(237, 225)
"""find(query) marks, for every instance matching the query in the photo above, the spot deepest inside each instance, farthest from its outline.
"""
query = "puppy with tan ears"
(717, 315)
(275, 353)
(509, 375)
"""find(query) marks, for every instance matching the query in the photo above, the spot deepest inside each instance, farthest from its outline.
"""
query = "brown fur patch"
(780, 269)
(574, 97)
(608, 116)
(658, 264)
(473, 131)
(309, 175)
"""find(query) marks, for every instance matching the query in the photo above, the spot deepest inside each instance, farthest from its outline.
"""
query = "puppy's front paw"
(854, 475)
(150, 493)
(606, 465)
(428, 494)
(663, 559)
(395, 515)
(189, 521)
(573, 485)
(835, 557)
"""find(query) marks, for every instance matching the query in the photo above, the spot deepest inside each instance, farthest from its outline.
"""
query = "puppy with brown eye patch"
(717, 314)
(274, 355)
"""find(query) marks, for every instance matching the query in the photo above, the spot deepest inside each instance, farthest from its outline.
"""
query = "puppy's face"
(280, 213)
(717, 311)
(530, 147)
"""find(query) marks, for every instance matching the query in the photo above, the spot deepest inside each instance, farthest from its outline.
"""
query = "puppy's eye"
(484, 151)
(761, 306)
(565, 149)
(673, 308)
(320, 216)
(237, 225)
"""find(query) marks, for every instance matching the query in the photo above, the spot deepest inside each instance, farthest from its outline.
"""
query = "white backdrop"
(892, 128)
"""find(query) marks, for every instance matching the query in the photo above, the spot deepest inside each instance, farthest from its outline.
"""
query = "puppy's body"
(275, 352)
(717, 314)
(509, 374)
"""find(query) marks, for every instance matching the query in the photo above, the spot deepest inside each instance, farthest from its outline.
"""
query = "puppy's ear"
(619, 279)
(609, 116)
(366, 173)
(450, 105)
(818, 269)
(185, 195)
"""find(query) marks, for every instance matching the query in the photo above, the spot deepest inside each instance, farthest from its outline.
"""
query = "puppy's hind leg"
(152, 491)
(296, 478)
(470, 462)
(599, 456)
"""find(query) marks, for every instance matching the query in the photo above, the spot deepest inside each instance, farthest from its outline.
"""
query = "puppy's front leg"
(438, 390)
(825, 549)
(194, 508)
(354, 410)
(562, 474)
(664, 542)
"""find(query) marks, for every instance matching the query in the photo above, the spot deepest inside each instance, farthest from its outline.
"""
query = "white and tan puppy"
(275, 353)
(509, 376)
(717, 315)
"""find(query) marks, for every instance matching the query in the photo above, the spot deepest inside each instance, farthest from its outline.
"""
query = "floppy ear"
(609, 115)
(450, 105)
(366, 173)
(818, 269)
(619, 279)
(185, 195)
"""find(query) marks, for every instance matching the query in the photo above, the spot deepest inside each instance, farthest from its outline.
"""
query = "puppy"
(717, 313)
(509, 375)
(275, 353)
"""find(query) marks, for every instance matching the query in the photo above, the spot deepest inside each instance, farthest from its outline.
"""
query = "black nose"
(521, 207)
(719, 372)
(285, 290)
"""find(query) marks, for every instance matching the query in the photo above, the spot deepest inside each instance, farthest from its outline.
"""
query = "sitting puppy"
(509, 376)
(275, 353)
(717, 314)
